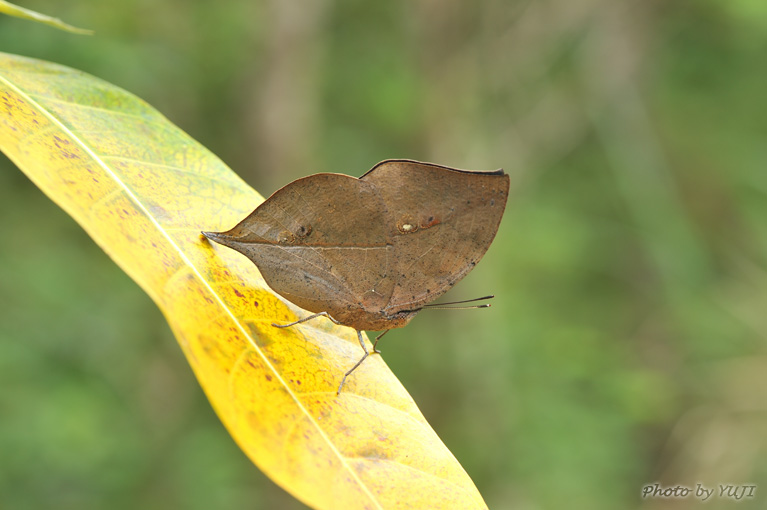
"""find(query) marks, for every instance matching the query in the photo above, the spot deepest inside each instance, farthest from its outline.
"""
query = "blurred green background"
(627, 344)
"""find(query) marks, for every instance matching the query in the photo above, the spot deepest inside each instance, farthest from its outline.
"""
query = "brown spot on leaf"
(429, 221)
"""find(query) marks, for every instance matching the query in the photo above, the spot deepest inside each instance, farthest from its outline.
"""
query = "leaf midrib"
(188, 262)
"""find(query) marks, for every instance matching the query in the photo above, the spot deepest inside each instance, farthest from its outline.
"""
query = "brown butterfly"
(370, 253)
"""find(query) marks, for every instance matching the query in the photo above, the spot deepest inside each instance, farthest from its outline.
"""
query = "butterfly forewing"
(319, 242)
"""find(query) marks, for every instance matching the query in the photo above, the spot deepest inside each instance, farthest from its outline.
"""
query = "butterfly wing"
(366, 249)
(320, 243)
(440, 222)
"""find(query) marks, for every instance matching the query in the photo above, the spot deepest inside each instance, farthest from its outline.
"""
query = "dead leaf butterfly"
(370, 253)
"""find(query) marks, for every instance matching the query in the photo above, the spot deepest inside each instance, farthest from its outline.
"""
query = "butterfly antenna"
(446, 306)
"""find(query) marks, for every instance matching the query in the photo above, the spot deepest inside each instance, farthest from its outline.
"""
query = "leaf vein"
(187, 261)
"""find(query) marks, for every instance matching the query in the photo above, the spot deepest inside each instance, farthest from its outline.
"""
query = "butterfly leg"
(376, 342)
(313, 316)
(364, 356)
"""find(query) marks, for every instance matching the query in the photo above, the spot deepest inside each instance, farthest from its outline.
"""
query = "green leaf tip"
(20, 12)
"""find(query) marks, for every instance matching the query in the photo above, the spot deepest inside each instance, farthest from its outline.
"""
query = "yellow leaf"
(20, 12)
(143, 190)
